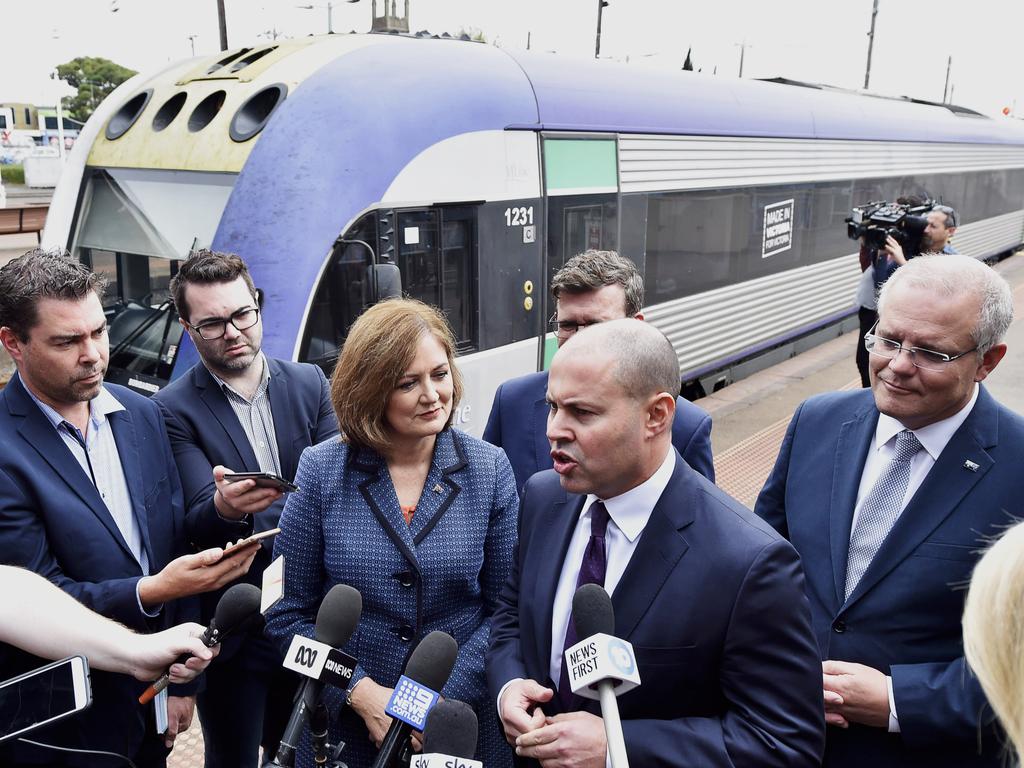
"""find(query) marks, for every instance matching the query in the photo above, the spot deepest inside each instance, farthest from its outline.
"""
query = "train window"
(577, 223)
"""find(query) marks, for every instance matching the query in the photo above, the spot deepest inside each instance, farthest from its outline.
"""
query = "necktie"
(880, 510)
(592, 571)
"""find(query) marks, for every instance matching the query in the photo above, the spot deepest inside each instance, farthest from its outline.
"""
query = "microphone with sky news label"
(336, 620)
(601, 661)
(415, 694)
(449, 738)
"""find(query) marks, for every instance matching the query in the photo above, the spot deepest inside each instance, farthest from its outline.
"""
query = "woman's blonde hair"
(993, 627)
(378, 350)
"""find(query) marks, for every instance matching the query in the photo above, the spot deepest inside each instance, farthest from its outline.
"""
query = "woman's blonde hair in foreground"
(994, 630)
(380, 346)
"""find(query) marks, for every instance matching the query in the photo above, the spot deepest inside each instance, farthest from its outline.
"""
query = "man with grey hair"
(592, 287)
(710, 597)
(90, 499)
(889, 496)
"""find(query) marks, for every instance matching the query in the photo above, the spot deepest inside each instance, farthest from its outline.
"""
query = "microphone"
(601, 661)
(449, 738)
(336, 620)
(318, 725)
(415, 694)
(236, 607)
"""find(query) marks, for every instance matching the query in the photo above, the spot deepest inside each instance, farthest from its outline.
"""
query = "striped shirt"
(257, 419)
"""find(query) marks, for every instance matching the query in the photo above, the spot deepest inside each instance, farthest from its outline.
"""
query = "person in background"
(238, 410)
(419, 517)
(592, 287)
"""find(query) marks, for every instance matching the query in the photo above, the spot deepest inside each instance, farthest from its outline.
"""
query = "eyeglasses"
(928, 359)
(243, 319)
(563, 329)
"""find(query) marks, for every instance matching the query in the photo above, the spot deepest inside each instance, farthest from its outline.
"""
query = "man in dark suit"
(889, 496)
(709, 596)
(238, 411)
(90, 499)
(592, 287)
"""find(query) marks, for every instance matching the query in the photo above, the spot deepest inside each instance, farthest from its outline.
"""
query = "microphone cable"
(100, 752)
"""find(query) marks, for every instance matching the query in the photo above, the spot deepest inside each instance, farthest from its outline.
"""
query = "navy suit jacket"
(53, 522)
(712, 602)
(518, 423)
(904, 616)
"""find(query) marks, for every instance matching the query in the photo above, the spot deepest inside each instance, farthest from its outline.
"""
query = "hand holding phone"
(235, 498)
(230, 550)
(263, 480)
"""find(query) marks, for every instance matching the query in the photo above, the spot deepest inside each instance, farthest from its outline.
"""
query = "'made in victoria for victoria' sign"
(778, 228)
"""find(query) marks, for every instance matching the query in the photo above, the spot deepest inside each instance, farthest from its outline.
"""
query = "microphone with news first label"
(415, 694)
(336, 620)
(236, 609)
(449, 738)
(601, 666)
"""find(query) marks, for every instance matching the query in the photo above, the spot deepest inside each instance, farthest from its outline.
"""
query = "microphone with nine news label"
(415, 694)
(601, 666)
(236, 609)
(320, 661)
(449, 739)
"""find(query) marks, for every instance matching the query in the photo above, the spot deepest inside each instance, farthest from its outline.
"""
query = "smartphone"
(232, 549)
(263, 480)
(43, 696)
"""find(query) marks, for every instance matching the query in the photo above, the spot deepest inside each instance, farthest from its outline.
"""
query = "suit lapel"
(129, 451)
(851, 452)
(541, 447)
(220, 408)
(285, 423)
(379, 493)
(441, 486)
(658, 552)
(941, 492)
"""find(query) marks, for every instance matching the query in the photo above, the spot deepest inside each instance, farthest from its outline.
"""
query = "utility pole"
(223, 24)
(946, 95)
(871, 44)
(192, 42)
(743, 50)
(600, 7)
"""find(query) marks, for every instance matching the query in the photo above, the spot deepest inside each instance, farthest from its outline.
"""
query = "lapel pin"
(437, 487)
(968, 464)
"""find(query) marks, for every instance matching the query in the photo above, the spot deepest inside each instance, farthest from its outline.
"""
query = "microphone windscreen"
(235, 606)
(451, 729)
(432, 660)
(592, 611)
(338, 615)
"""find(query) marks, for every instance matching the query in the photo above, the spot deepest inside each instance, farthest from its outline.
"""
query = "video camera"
(876, 221)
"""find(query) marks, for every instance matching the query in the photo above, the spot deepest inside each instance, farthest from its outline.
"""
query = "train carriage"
(346, 168)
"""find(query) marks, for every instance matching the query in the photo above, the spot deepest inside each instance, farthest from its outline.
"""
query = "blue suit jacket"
(712, 602)
(53, 522)
(442, 572)
(904, 616)
(518, 423)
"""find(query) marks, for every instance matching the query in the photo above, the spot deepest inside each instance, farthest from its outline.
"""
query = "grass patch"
(13, 174)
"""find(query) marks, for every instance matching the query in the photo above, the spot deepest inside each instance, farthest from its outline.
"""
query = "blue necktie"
(592, 571)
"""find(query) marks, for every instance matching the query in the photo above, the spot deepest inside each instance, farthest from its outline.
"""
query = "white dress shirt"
(933, 439)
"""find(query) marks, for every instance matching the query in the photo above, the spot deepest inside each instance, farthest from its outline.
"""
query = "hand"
(573, 740)
(235, 500)
(179, 717)
(193, 574)
(149, 656)
(855, 693)
(895, 251)
(519, 707)
(369, 700)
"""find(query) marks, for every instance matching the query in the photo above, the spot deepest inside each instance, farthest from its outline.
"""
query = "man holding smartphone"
(238, 412)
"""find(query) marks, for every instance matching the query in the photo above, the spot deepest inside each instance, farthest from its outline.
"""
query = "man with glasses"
(592, 287)
(238, 410)
(890, 496)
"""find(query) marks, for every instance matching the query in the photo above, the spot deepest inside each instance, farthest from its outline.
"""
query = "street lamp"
(600, 7)
(330, 11)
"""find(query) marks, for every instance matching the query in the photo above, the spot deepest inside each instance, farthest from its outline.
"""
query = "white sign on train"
(778, 228)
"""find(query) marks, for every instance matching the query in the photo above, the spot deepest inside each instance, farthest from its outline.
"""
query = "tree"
(688, 64)
(95, 78)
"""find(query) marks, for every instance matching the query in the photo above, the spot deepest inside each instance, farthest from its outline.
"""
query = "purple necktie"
(592, 571)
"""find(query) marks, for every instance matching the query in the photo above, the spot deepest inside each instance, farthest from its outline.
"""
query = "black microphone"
(318, 725)
(336, 620)
(449, 737)
(429, 665)
(237, 607)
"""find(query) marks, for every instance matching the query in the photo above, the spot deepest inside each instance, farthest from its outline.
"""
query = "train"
(348, 168)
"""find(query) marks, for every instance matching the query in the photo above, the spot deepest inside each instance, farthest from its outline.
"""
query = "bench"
(32, 218)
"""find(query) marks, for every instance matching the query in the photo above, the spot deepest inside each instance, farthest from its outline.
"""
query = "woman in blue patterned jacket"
(417, 516)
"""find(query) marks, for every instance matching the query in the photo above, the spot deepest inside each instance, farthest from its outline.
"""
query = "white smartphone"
(43, 696)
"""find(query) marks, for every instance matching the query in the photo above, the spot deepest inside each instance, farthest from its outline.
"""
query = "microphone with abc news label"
(601, 666)
(449, 738)
(320, 661)
(236, 609)
(415, 694)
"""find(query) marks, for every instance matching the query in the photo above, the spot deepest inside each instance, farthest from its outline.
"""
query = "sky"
(822, 41)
